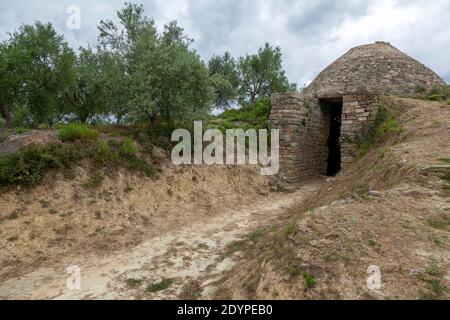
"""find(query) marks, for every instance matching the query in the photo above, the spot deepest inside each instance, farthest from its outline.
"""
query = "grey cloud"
(316, 18)
(310, 33)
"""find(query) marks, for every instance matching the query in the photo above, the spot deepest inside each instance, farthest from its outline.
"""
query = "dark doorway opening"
(334, 110)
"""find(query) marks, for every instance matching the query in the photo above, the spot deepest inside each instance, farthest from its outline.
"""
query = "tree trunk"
(4, 112)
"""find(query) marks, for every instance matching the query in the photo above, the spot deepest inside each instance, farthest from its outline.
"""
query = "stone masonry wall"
(304, 132)
(358, 114)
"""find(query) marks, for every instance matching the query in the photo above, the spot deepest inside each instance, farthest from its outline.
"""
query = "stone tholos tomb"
(320, 128)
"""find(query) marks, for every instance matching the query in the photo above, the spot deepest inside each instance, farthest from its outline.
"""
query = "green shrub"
(77, 131)
(21, 130)
(309, 281)
(113, 153)
(159, 286)
(385, 123)
(106, 153)
(255, 116)
(132, 282)
(436, 97)
(128, 148)
(28, 167)
(438, 93)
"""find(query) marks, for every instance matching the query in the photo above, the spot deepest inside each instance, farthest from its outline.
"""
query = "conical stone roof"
(375, 69)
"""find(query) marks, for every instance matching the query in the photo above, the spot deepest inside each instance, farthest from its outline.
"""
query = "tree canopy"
(249, 78)
(133, 73)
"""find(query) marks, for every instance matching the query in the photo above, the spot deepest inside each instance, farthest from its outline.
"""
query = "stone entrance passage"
(333, 108)
(319, 136)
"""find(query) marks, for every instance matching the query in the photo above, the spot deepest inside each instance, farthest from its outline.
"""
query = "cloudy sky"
(311, 33)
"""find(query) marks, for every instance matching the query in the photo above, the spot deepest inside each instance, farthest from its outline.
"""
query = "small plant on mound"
(128, 148)
(113, 153)
(308, 281)
(385, 124)
(159, 286)
(133, 283)
(436, 97)
(76, 131)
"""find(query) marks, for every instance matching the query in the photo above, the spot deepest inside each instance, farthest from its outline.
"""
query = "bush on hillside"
(27, 168)
(255, 116)
(385, 123)
(77, 131)
(438, 93)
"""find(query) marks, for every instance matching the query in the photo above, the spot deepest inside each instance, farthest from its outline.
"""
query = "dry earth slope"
(219, 233)
(390, 209)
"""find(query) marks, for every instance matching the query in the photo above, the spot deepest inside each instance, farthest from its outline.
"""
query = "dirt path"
(190, 255)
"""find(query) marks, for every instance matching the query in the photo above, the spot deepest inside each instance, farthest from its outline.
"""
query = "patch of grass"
(438, 242)
(385, 124)
(384, 151)
(290, 229)
(113, 153)
(447, 160)
(436, 97)
(433, 277)
(52, 211)
(76, 131)
(433, 268)
(372, 243)
(255, 235)
(308, 281)
(98, 215)
(20, 130)
(446, 178)
(160, 286)
(437, 93)
(133, 283)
